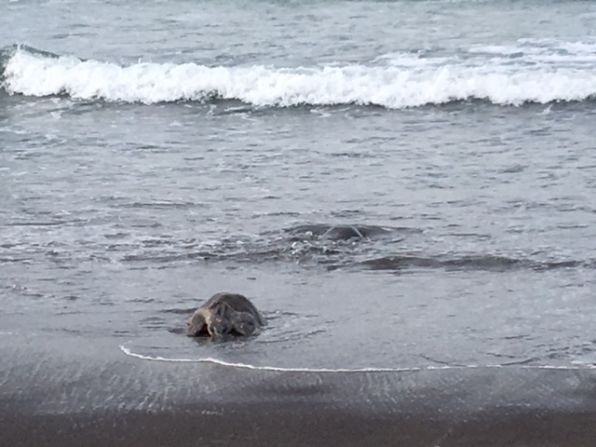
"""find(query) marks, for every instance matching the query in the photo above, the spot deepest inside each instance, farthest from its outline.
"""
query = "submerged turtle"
(225, 314)
(338, 232)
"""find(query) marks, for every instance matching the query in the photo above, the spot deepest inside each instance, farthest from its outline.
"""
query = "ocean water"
(155, 153)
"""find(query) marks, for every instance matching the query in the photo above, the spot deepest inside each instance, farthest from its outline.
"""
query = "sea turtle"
(224, 313)
(338, 232)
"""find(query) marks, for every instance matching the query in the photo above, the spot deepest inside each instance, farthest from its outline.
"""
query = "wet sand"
(73, 391)
(294, 426)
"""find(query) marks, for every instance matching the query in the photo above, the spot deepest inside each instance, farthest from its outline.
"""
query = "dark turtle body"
(225, 313)
(338, 232)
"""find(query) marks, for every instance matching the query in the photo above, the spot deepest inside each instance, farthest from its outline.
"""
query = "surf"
(388, 82)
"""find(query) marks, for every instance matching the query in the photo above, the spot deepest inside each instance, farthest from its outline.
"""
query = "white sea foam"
(126, 350)
(391, 84)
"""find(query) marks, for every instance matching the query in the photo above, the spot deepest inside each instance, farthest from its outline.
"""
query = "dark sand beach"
(66, 393)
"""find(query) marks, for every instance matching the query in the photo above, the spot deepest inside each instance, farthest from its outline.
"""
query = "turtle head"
(218, 322)
(195, 325)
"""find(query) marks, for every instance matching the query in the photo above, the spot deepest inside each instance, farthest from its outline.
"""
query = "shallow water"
(152, 156)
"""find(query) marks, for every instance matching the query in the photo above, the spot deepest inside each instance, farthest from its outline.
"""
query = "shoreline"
(246, 366)
(72, 391)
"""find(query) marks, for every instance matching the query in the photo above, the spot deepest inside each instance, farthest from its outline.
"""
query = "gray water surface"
(121, 215)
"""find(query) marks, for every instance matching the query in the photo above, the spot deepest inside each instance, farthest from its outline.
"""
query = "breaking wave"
(514, 75)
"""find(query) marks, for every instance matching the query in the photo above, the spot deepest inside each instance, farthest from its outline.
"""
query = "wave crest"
(35, 73)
